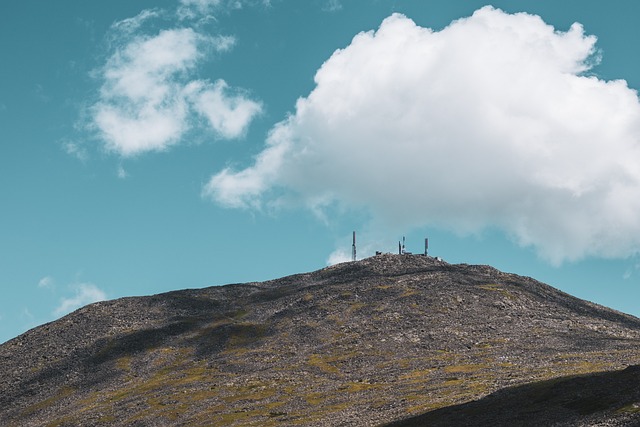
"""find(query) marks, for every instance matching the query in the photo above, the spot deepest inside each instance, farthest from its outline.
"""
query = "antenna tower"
(353, 248)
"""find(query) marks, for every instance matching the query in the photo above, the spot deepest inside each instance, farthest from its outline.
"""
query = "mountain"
(402, 340)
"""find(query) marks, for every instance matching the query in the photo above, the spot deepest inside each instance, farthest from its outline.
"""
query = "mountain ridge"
(377, 341)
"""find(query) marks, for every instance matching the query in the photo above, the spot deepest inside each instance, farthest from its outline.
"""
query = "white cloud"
(343, 252)
(46, 283)
(490, 122)
(84, 293)
(122, 173)
(631, 270)
(147, 92)
(228, 114)
(141, 107)
(129, 26)
(333, 5)
(194, 9)
(76, 150)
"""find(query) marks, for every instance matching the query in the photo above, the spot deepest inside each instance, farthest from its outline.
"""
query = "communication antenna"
(426, 246)
(353, 248)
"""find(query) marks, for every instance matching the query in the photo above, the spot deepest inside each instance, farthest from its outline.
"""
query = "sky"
(151, 146)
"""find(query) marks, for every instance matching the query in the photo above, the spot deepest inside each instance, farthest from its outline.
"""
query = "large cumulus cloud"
(494, 121)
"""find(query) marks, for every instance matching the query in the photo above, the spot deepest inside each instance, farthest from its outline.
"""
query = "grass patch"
(355, 387)
(497, 288)
(315, 398)
(463, 369)
(356, 306)
(62, 393)
(408, 293)
(416, 376)
(124, 364)
(322, 363)
(633, 408)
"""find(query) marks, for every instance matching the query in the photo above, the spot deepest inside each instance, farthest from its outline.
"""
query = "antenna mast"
(353, 248)
(426, 246)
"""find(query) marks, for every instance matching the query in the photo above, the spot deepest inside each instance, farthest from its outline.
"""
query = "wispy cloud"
(46, 283)
(228, 113)
(75, 149)
(83, 294)
(121, 172)
(630, 271)
(333, 5)
(490, 122)
(129, 26)
(197, 9)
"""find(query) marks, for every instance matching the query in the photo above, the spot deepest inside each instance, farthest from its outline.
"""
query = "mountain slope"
(365, 343)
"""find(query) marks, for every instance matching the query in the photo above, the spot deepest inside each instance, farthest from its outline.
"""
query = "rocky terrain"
(397, 340)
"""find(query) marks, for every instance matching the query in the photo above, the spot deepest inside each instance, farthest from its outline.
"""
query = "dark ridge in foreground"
(604, 398)
(400, 340)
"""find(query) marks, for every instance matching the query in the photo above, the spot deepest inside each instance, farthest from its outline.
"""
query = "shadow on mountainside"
(605, 398)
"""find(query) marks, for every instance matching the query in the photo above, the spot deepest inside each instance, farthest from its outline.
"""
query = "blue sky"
(150, 146)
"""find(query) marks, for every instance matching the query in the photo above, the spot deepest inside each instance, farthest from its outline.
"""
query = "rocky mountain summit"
(402, 340)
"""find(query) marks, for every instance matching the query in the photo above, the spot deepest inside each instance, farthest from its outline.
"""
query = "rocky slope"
(390, 339)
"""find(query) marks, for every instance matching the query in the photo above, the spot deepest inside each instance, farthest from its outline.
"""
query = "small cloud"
(223, 43)
(76, 150)
(84, 293)
(228, 113)
(365, 249)
(122, 174)
(39, 93)
(148, 100)
(190, 9)
(631, 271)
(28, 316)
(46, 283)
(338, 256)
(129, 26)
(332, 6)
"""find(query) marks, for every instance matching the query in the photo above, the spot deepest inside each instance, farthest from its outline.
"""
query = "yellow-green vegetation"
(490, 343)
(407, 292)
(356, 306)
(633, 408)
(423, 407)
(124, 364)
(316, 398)
(458, 369)
(323, 363)
(59, 422)
(355, 387)
(60, 394)
(416, 376)
(252, 391)
(497, 288)
(246, 333)
(186, 380)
